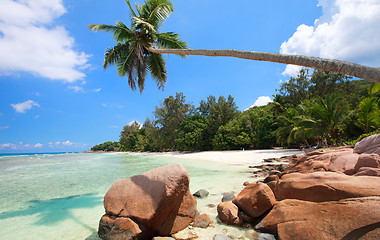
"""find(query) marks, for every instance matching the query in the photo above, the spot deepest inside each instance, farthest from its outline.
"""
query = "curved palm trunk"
(368, 73)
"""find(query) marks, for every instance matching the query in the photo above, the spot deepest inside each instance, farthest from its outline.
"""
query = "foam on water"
(61, 196)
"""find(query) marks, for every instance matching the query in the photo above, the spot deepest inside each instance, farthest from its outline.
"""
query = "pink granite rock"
(355, 218)
(368, 160)
(159, 199)
(255, 199)
(368, 145)
(326, 186)
(228, 213)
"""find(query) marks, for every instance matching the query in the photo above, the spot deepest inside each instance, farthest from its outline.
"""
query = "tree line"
(318, 108)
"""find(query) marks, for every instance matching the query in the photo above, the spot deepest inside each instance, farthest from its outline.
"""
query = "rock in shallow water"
(159, 201)
(228, 213)
(201, 193)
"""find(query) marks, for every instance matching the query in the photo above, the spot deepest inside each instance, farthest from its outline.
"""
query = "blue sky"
(55, 96)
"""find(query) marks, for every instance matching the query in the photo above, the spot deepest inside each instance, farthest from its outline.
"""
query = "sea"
(60, 196)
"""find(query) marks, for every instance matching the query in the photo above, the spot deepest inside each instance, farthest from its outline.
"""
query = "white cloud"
(22, 107)
(76, 89)
(98, 90)
(5, 127)
(31, 42)
(347, 30)
(112, 106)
(38, 145)
(291, 70)
(261, 101)
(138, 123)
(57, 146)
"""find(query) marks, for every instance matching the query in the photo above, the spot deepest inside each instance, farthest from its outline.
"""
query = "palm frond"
(139, 23)
(170, 40)
(156, 64)
(121, 33)
(113, 55)
(133, 14)
(159, 14)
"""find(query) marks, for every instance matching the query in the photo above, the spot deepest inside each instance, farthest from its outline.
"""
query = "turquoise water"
(60, 196)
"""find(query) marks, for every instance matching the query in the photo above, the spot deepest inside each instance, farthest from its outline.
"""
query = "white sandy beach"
(237, 157)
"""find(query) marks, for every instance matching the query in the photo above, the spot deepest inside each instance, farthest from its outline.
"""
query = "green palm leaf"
(132, 55)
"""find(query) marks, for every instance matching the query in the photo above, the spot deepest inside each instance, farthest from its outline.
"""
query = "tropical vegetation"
(302, 114)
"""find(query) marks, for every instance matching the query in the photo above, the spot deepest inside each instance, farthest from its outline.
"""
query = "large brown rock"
(326, 186)
(367, 171)
(159, 199)
(228, 213)
(344, 163)
(320, 161)
(357, 218)
(368, 160)
(255, 199)
(368, 145)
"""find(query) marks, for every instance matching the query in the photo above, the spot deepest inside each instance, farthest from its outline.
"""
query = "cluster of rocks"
(321, 195)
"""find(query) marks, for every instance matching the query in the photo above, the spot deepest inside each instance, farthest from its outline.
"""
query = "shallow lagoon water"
(60, 196)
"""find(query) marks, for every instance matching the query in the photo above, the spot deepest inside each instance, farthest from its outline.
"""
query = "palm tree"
(131, 55)
(324, 117)
(139, 48)
(368, 114)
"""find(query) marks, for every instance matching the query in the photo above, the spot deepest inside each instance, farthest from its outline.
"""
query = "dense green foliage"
(107, 147)
(321, 108)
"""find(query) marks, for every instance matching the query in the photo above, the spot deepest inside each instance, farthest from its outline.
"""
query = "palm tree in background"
(139, 47)
(324, 118)
(368, 114)
(131, 55)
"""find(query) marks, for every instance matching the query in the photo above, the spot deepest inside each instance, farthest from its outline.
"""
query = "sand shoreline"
(235, 157)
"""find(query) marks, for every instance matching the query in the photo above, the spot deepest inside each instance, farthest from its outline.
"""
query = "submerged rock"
(159, 201)
(202, 193)
(228, 196)
(202, 221)
(357, 218)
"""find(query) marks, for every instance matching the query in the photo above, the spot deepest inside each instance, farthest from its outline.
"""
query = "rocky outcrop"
(368, 160)
(255, 199)
(366, 171)
(357, 218)
(228, 213)
(324, 161)
(158, 201)
(368, 145)
(344, 163)
(326, 186)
